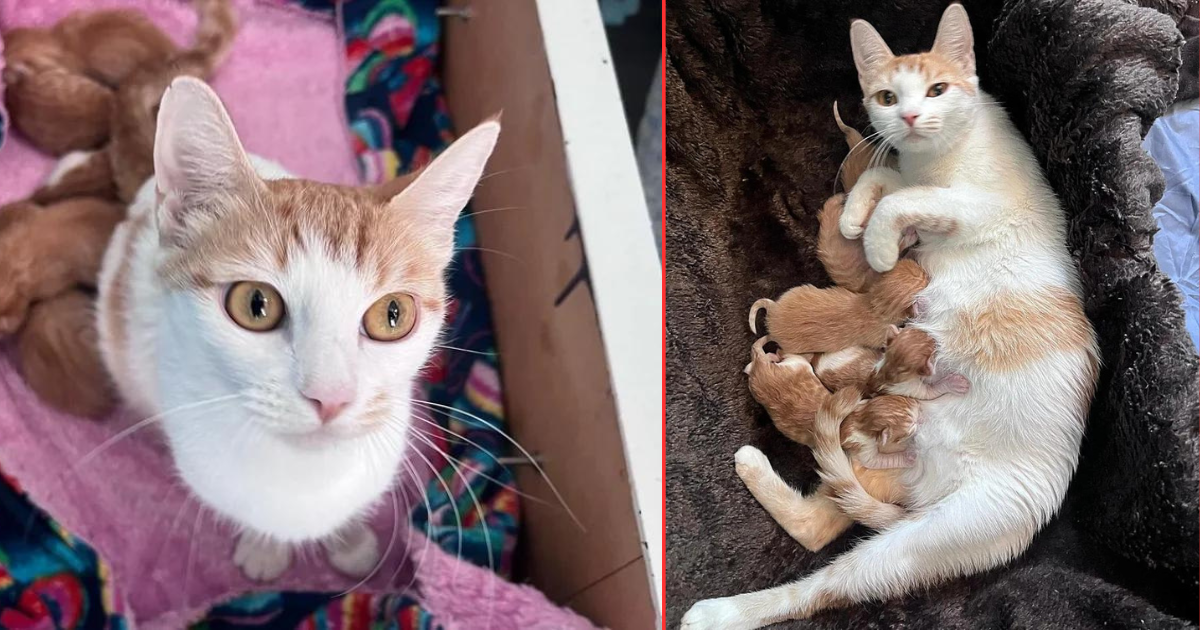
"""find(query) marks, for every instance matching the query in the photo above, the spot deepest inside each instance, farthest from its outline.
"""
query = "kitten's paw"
(954, 384)
(920, 306)
(751, 464)
(66, 164)
(260, 559)
(714, 614)
(14, 307)
(356, 554)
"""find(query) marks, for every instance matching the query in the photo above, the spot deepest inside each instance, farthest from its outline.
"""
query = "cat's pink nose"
(328, 404)
(910, 119)
(327, 411)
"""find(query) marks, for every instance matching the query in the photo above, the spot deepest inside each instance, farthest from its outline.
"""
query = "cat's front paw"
(356, 553)
(882, 248)
(714, 614)
(260, 559)
(856, 212)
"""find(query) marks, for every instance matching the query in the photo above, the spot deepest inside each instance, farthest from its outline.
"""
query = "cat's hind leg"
(813, 521)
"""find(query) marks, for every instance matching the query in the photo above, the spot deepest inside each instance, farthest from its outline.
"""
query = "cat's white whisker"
(837, 177)
(479, 446)
(490, 251)
(553, 488)
(505, 172)
(491, 210)
(105, 445)
(449, 495)
(391, 581)
(386, 552)
(187, 572)
(480, 353)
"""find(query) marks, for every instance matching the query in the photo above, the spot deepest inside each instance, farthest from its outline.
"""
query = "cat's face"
(919, 103)
(316, 305)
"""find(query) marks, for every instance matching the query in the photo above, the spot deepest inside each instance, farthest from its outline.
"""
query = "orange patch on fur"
(1016, 328)
(350, 224)
(934, 67)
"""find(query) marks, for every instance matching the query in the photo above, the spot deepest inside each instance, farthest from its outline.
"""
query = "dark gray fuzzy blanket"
(751, 155)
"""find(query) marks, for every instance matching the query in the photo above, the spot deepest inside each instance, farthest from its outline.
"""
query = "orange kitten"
(789, 389)
(807, 319)
(61, 82)
(46, 251)
(58, 355)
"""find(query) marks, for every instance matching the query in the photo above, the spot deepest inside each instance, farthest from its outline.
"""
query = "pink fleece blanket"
(171, 560)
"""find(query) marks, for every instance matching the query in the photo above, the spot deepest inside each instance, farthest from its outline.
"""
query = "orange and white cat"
(1003, 305)
(278, 325)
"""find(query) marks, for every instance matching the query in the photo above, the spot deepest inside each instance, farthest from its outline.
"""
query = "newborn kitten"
(278, 325)
(61, 81)
(908, 368)
(844, 259)
(58, 357)
(793, 396)
(846, 367)
(57, 347)
(807, 319)
(46, 251)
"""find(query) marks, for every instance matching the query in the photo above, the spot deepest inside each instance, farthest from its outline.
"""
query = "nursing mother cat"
(1003, 304)
(277, 326)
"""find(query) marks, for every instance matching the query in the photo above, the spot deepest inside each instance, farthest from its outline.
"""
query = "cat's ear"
(954, 38)
(442, 189)
(199, 163)
(871, 53)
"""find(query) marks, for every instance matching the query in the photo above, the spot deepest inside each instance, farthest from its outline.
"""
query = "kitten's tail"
(859, 158)
(837, 471)
(765, 303)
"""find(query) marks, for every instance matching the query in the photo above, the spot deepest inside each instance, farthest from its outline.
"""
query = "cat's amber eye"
(887, 98)
(937, 89)
(255, 306)
(391, 317)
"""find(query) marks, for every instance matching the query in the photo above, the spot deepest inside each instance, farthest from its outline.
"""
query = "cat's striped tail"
(837, 471)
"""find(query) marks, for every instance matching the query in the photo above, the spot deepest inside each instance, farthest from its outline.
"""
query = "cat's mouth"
(324, 435)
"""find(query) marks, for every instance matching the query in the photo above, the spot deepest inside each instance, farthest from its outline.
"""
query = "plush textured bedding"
(751, 155)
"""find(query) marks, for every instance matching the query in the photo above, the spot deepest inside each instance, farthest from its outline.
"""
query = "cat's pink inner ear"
(954, 38)
(442, 189)
(871, 53)
(198, 159)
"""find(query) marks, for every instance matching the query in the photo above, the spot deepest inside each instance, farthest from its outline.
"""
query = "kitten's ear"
(199, 163)
(870, 51)
(442, 189)
(954, 38)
